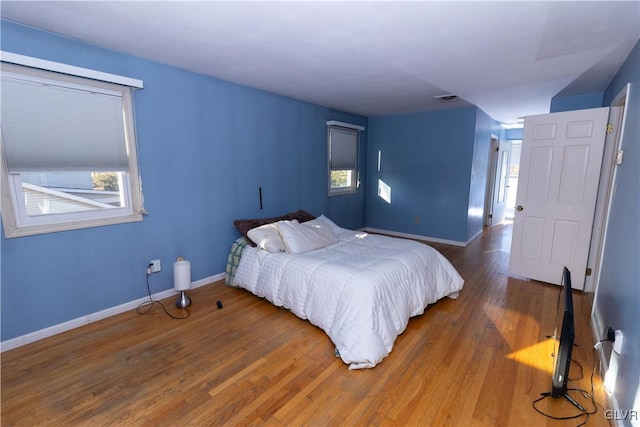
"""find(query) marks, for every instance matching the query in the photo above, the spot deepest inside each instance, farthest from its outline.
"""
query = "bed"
(360, 288)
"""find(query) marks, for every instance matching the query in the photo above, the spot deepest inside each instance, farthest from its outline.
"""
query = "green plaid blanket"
(234, 260)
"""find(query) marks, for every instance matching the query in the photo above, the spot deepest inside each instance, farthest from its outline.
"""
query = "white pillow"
(323, 220)
(306, 236)
(268, 237)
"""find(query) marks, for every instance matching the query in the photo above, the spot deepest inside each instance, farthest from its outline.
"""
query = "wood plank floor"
(479, 360)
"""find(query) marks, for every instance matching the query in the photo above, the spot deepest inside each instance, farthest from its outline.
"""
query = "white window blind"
(68, 149)
(49, 127)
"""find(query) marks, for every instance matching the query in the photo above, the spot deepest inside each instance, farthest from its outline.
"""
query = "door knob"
(519, 208)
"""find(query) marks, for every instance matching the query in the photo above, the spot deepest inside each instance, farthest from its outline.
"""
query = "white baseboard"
(596, 332)
(474, 237)
(420, 237)
(94, 317)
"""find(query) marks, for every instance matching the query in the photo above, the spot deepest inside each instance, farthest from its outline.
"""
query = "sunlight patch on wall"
(384, 191)
(611, 377)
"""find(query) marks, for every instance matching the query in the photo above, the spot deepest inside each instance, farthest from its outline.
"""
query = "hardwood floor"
(479, 360)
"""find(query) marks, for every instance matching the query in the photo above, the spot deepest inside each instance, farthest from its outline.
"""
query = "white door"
(501, 184)
(559, 173)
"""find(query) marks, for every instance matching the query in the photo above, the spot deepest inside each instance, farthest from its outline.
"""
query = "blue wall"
(204, 146)
(618, 296)
(575, 102)
(513, 134)
(436, 165)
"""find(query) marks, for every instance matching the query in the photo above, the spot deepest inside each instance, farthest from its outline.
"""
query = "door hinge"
(609, 128)
(497, 149)
(589, 271)
(619, 156)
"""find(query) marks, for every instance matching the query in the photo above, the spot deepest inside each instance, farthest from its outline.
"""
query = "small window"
(343, 160)
(68, 148)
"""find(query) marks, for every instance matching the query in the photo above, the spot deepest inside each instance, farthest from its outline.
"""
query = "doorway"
(502, 185)
(512, 182)
(612, 157)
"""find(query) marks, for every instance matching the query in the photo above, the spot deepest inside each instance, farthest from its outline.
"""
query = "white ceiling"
(368, 57)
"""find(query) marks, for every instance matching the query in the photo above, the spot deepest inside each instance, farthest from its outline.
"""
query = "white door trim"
(613, 144)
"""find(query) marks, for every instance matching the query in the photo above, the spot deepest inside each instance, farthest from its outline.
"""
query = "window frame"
(15, 221)
(355, 174)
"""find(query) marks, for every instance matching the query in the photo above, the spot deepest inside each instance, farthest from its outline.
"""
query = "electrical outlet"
(610, 334)
(155, 266)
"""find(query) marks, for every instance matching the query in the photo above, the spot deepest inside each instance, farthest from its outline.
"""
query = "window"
(68, 152)
(343, 157)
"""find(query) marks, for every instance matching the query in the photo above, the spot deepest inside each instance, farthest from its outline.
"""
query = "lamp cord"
(149, 305)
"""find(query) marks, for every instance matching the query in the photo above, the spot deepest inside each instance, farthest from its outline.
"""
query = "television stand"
(583, 412)
(573, 401)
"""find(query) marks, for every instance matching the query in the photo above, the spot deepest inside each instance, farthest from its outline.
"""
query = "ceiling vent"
(447, 98)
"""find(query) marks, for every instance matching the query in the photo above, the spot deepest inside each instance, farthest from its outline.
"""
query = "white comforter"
(361, 290)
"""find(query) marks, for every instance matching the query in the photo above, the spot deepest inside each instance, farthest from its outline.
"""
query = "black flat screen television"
(564, 335)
